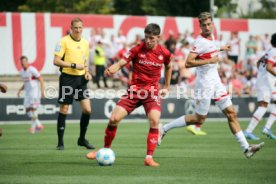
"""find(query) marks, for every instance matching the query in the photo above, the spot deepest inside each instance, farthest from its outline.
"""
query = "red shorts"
(131, 101)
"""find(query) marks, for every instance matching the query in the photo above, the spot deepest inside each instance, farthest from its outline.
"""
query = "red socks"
(198, 125)
(110, 133)
(152, 140)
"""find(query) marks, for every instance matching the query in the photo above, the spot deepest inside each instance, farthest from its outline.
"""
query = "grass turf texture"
(184, 158)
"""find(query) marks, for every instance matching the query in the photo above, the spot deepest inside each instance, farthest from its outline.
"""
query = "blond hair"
(77, 19)
(204, 16)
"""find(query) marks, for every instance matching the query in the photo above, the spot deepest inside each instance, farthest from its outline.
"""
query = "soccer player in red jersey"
(147, 58)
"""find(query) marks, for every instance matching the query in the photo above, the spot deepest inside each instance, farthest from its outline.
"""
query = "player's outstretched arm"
(225, 48)
(19, 91)
(115, 67)
(41, 82)
(193, 62)
(269, 68)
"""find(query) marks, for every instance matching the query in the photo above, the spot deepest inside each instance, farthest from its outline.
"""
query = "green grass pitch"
(184, 158)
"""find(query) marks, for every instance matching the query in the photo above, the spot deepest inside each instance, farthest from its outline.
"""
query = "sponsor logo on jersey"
(143, 62)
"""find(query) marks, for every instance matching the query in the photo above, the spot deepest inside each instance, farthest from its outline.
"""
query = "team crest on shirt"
(127, 54)
(78, 47)
(160, 57)
(142, 55)
(58, 47)
(194, 48)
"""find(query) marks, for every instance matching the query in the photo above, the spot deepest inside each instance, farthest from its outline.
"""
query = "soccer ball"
(105, 157)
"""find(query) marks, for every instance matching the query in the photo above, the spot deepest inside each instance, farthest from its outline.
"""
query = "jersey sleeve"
(197, 47)
(60, 48)
(131, 54)
(34, 72)
(271, 58)
(168, 58)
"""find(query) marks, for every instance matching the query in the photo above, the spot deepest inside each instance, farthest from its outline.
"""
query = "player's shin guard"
(152, 140)
(61, 127)
(110, 133)
(84, 122)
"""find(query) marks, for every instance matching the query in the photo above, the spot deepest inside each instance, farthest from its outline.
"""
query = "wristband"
(73, 65)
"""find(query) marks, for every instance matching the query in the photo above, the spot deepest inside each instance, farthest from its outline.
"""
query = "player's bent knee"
(64, 109)
(154, 122)
(114, 119)
(86, 111)
(232, 115)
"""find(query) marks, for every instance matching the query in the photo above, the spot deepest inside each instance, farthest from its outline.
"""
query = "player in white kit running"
(34, 90)
(266, 93)
(204, 56)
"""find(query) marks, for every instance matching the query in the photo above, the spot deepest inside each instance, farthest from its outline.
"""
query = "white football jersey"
(31, 84)
(205, 48)
(263, 74)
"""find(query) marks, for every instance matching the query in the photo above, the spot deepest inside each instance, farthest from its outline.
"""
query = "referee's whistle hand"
(88, 76)
(79, 66)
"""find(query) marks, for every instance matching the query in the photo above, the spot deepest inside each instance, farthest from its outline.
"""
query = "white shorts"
(265, 91)
(32, 99)
(203, 101)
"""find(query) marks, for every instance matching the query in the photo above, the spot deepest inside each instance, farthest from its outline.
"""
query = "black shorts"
(233, 58)
(72, 87)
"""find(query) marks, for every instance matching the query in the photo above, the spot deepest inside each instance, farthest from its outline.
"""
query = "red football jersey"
(147, 65)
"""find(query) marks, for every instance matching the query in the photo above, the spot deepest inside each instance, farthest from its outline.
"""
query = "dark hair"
(204, 16)
(153, 29)
(77, 19)
(23, 57)
(273, 40)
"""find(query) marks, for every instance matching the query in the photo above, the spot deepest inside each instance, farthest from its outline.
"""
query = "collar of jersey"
(74, 39)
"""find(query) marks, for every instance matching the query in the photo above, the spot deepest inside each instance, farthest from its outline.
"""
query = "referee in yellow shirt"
(71, 55)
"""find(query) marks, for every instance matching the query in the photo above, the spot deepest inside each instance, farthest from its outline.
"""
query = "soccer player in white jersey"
(34, 90)
(266, 89)
(204, 56)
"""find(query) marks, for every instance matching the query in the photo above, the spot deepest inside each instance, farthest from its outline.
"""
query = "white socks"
(271, 117)
(179, 122)
(37, 122)
(242, 140)
(257, 116)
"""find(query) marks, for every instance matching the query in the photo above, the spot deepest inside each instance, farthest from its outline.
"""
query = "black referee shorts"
(72, 87)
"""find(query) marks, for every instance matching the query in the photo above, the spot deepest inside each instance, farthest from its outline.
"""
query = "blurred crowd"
(238, 71)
